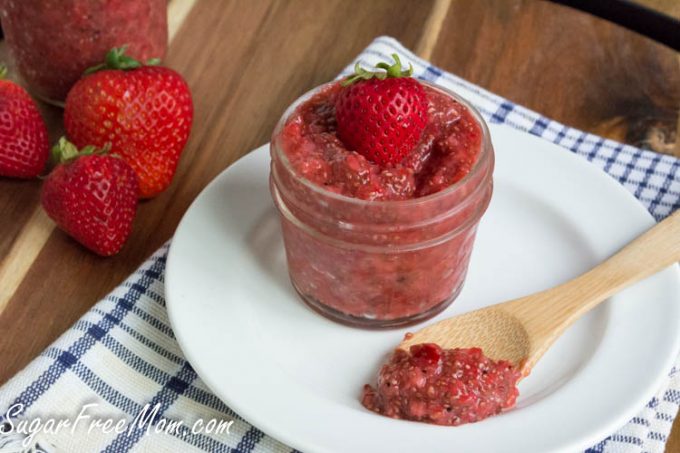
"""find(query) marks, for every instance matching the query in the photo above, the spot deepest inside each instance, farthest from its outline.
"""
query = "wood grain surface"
(246, 60)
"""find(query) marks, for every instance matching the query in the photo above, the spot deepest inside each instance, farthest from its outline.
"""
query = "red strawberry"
(23, 136)
(144, 112)
(381, 114)
(425, 354)
(92, 196)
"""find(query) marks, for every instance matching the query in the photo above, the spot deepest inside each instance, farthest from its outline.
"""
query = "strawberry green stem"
(387, 71)
(3, 71)
(64, 151)
(116, 59)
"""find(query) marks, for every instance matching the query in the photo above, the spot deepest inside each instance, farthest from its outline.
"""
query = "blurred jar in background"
(54, 41)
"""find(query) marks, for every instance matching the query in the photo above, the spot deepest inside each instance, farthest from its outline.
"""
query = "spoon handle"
(549, 313)
(646, 255)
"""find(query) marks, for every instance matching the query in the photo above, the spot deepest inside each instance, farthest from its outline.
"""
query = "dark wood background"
(246, 60)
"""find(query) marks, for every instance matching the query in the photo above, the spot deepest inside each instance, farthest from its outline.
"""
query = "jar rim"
(484, 155)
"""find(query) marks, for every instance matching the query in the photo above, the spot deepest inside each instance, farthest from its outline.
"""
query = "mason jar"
(54, 41)
(379, 264)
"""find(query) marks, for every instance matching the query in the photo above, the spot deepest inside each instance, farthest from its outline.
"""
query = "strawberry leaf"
(386, 71)
(117, 59)
(64, 151)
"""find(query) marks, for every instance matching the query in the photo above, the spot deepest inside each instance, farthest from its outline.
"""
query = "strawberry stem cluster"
(64, 151)
(116, 59)
(386, 71)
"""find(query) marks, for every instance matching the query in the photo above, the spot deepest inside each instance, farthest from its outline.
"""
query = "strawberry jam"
(447, 150)
(373, 245)
(444, 387)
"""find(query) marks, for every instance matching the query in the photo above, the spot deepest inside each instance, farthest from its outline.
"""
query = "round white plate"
(298, 376)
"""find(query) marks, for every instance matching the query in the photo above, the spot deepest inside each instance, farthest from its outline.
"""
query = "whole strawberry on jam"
(144, 111)
(92, 196)
(24, 147)
(381, 114)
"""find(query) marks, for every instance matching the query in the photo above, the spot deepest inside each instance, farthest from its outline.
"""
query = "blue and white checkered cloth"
(122, 355)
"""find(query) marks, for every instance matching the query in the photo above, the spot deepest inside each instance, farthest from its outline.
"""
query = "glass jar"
(379, 263)
(54, 41)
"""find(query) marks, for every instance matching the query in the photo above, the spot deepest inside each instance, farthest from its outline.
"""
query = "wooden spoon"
(521, 330)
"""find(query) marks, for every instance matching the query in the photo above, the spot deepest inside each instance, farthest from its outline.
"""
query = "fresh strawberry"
(381, 114)
(23, 136)
(92, 195)
(144, 112)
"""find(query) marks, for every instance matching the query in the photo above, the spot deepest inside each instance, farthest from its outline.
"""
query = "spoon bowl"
(497, 331)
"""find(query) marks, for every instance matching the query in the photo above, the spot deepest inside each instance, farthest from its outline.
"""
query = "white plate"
(298, 376)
